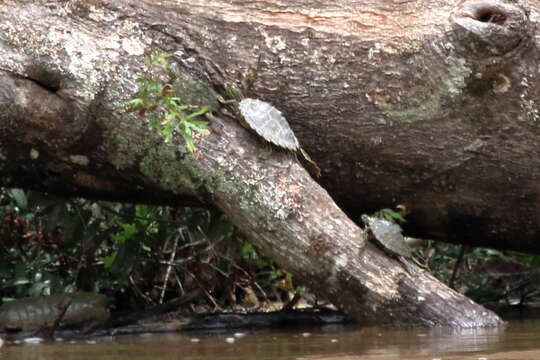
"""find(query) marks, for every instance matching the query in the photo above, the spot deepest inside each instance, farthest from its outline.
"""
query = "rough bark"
(395, 101)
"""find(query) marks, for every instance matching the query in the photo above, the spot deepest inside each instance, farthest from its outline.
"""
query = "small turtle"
(387, 235)
(270, 124)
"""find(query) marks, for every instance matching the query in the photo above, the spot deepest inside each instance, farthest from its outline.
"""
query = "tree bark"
(429, 106)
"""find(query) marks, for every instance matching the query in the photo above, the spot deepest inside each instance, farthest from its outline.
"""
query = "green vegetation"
(167, 113)
(138, 254)
(391, 215)
(143, 255)
(488, 276)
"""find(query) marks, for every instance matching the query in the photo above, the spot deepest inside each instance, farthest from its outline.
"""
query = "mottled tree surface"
(432, 105)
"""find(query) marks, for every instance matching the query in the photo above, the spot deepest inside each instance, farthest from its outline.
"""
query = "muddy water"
(520, 340)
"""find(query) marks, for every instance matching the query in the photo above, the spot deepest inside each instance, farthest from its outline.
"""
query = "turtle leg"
(421, 265)
(265, 151)
(312, 164)
(224, 101)
(411, 268)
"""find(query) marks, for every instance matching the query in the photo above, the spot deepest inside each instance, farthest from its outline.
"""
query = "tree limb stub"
(270, 197)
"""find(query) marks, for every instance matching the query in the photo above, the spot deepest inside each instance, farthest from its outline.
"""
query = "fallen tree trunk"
(69, 69)
(432, 106)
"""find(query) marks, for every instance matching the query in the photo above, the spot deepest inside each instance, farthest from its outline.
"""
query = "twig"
(457, 265)
(47, 331)
(170, 265)
(138, 291)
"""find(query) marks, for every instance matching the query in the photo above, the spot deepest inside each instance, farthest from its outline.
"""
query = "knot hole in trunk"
(485, 28)
(490, 15)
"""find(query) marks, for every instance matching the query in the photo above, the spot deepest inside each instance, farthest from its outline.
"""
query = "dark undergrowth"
(139, 255)
(143, 255)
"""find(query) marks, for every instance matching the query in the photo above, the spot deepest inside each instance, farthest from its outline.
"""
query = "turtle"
(387, 235)
(270, 124)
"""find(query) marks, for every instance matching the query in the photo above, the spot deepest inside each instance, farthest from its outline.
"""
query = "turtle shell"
(269, 123)
(388, 235)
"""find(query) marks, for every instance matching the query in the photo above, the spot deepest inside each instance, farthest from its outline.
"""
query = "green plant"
(138, 254)
(50, 244)
(390, 215)
(165, 111)
(43, 242)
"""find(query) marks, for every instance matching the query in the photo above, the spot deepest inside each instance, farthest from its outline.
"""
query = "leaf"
(199, 112)
(188, 138)
(398, 217)
(135, 103)
(128, 231)
(190, 145)
(19, 196)
(175, 100)
(198, 124)
(246, 247)
(108, 261)
(20, 281)
(390, 215)
(144, 211)
(176, 104)
(159, 58)
(40, 288)
(201, 130)
(145, 247)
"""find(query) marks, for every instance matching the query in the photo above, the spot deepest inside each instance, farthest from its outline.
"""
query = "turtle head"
(233, 92)
(365, 219)
(367, 230)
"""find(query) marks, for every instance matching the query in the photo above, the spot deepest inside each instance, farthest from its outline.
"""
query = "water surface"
(520, 340)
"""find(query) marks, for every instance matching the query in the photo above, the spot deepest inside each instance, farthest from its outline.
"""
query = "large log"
(385, 100)
(433, 106)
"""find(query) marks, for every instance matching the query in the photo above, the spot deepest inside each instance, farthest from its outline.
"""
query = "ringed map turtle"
(270, 124)
(387, 235)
